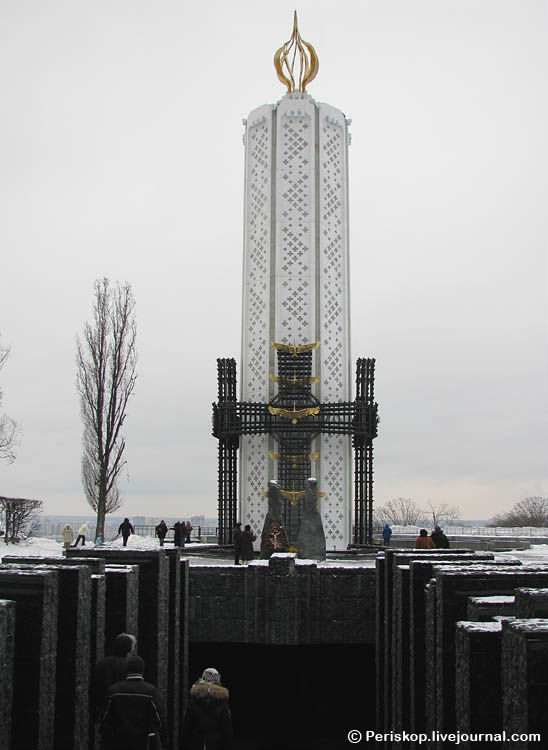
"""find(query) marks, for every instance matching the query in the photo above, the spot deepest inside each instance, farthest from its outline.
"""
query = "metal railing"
(198, 532)
(450, 530)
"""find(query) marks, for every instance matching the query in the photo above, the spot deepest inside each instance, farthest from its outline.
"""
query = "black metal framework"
(294, 433)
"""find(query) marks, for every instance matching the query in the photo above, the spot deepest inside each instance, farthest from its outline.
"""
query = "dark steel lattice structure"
(294, 418)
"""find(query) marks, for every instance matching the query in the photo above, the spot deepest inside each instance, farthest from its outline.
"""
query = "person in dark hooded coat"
(126, 529)
(439, 538)
(208, 723)
(134, 716)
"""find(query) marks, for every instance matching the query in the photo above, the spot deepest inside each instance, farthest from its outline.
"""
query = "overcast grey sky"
(121, 155)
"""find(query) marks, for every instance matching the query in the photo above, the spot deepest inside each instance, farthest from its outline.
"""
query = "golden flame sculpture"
(285, 59)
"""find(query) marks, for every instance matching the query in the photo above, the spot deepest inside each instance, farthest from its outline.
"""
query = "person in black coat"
(125, 529)
(237, 538)
(161, 531)
(439, 538)
(208, 723)
(111, 669)
(246, 544)
(133, 712)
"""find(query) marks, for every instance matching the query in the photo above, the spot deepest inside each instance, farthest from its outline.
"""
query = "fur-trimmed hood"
(209, 691)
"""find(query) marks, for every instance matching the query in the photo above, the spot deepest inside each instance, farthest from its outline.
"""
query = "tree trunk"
(101, 506)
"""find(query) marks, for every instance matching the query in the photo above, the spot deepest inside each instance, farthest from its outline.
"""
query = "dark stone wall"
(484, 608)
(71, 723)
(174, 644)
(525, 678)
(7, 645)
(153, 605)
(121, 602)
(281, 603)
(477, 668)
(36, 596)
(531, 603)
(453, 587)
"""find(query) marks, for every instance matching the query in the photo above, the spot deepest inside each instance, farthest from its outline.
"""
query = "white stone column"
(295, 286)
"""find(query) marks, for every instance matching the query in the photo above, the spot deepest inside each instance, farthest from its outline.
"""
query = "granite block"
(7, 649)
(36, 596)
(153, 605)
(531, 603)
(525, 679)
(484, 608)
(72, 678)
(453, 587)
(478, 703)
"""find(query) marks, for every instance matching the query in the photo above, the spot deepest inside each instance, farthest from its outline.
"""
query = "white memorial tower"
(296, 277)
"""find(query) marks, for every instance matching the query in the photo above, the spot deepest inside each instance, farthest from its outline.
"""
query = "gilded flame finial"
(296, 49)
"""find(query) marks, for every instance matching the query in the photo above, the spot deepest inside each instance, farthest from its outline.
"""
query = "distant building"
(198, 520)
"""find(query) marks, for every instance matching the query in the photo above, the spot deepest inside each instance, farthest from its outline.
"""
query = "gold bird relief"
(294, 459)
(295, 380)
(295, 349)
(294, 414)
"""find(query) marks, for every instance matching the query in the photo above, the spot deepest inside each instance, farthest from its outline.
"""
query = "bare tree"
(531, 511)
(443, 513)
(18, 516)
(401, 511)
(9, 429)
(106, 362)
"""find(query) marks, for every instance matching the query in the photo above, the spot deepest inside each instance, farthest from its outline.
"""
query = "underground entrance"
(293, 697)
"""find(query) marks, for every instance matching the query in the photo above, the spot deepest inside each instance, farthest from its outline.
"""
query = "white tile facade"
(296, 284)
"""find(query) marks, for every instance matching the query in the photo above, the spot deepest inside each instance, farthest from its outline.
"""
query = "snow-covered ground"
(42, 547)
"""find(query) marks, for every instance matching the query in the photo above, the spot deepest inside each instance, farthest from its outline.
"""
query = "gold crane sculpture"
(294, 414)
(286, 57)
(294, 459)
(295, 380)
(295, 349)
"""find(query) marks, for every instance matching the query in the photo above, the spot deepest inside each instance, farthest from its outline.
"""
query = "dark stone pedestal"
(174, 643)
(403, 556)
(531, 603)
(184, 638)
(153, 605)
(36, 597)
(121, 602)
(73, 653)
(525, 679)
(7, 645)
(484, 608)
(406, 649)
(453, 587)
(478, 704)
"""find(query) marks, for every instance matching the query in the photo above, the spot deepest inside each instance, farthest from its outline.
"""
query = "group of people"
(243, 543)
(181, 533)
(67, 534)
(436, 540)
(130, 711)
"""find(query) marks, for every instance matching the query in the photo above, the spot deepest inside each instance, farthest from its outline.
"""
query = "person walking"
(386, 534)
(188, 531)
(67, 535)
(125, 529)
(423, 541)
(237, 538)
(83, 531)
(161, 531)
(208, 722)
(439, 538)
(111, 669)
(134, 716)
(246, 544)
